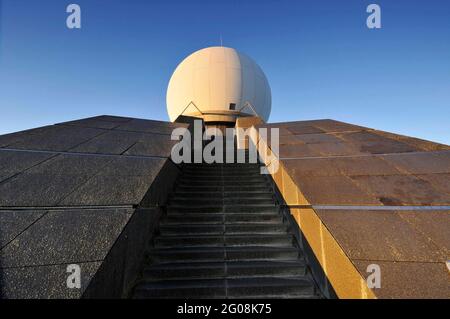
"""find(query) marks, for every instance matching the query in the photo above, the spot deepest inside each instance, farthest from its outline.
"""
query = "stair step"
(220, 196)
(249, 209)
(227, 166)
(202, 201)
(224, 182)
(270, 288)
(257, 194)
(193, 218)
(281, 240)
(193, 202)
(216, 178)
(203, 254)
(223, 173)
(177, 218)
(223, 236)
(197, 210)
(238, 172)
(227, 229)
(181, 289)
(260, 218)
(222, 288)
(222, 188)
(191, 194)
(233, 269)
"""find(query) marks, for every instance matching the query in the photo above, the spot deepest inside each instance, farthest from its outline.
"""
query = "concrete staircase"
(224, 237)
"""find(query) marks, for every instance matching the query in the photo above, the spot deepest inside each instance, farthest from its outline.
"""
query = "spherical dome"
(218, 83)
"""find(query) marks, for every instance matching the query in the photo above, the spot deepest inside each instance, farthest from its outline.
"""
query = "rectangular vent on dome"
(232, 106)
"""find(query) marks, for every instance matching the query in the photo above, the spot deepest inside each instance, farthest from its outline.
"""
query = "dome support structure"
(228, 117)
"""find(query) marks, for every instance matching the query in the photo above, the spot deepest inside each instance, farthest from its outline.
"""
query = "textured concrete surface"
(62, 236)
(44, 282)
(57, 138)
(13, 223)
(410, 279)
(107, 162)
(335, 164)
(33, 190)
(386, 235)
(68, 195)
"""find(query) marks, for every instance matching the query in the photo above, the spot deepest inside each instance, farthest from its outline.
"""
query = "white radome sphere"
(214, 79)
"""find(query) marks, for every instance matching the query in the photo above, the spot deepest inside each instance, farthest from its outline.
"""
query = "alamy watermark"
(374, 279)
(374, 19)
(73, 21)
(74, 278)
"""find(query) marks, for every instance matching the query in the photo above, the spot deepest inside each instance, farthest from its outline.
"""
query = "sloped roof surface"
(335, 163)
(66, 193)
(85, 162)
(361, 182)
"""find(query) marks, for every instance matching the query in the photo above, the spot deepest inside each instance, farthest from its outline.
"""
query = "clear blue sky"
(320, 58)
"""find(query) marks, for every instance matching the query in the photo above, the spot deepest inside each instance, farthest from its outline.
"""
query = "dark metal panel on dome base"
(362, 196)
(86, 192)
